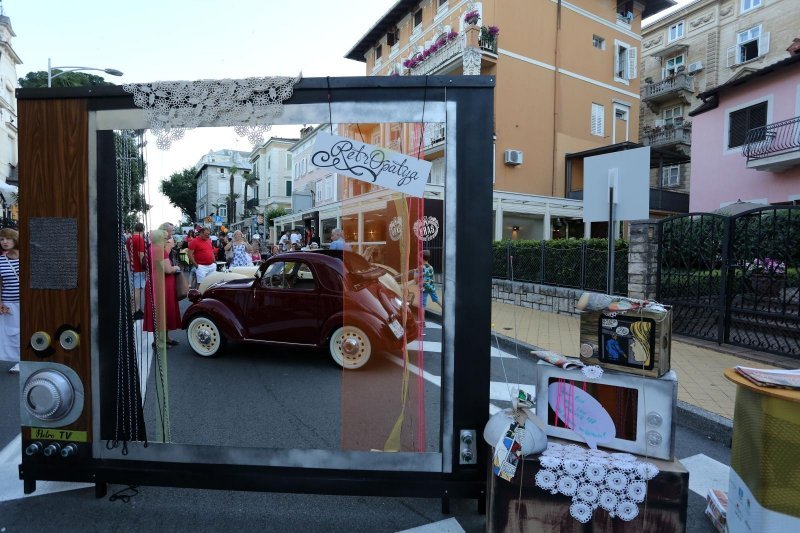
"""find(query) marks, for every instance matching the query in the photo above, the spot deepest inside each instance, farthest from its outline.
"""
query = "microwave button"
(654, 438)
(654, 419)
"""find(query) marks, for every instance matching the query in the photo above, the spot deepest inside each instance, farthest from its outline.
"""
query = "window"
(598, 120)
(288, 275)
(223, 212)
(269, 189)
(671, 176)
(378, 54)
(750, 44)
(673, 116)
(598, 42)
(222, 171)
(625, 62)
(319, 191)
(329, 188)
(288, 188)
(743, 120)
(417, 19)
(747, 5)
(269, 159)
(442, 3)
(392, 37)
(675, 32)
(672, 66)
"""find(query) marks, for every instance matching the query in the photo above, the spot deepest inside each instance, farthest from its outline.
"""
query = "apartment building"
(272, 165)
(567, 81)
(703, 45)
(213, 183)
(9, 176)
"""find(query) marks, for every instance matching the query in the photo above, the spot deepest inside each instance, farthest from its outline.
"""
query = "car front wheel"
(204, 337)
(350, 347)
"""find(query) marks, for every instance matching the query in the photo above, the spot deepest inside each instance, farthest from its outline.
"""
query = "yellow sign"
(58, 434)
(208, 219)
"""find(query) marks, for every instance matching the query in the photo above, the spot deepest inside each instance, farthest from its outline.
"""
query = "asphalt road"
(260, 397)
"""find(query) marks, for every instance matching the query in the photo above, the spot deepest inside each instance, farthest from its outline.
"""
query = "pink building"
(746, 139)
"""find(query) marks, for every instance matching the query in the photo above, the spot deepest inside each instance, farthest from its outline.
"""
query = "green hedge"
(578, 263)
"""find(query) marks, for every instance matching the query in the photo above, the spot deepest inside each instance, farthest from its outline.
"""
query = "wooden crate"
(521, 506)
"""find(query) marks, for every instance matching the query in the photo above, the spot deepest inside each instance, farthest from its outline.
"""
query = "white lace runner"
(617, 482)
(250, 105)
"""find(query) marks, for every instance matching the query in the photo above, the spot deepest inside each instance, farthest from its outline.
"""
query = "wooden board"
(775, 392)
(54, 182)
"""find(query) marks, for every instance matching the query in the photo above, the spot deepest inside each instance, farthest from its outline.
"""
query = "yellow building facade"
(567, 81)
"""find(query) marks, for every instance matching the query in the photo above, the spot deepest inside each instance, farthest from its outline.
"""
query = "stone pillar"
(643, 259)
(472, 51)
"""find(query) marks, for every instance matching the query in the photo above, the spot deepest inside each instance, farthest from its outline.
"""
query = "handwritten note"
(373, 164)
(581, 413)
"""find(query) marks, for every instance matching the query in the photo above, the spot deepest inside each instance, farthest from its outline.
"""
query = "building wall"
(8, 106)
(720, 175)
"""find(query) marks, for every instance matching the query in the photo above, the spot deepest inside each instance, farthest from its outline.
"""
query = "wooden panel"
(54, 170)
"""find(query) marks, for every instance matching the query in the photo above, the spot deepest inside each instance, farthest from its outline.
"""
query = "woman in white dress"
(241, 251)
(9, 298)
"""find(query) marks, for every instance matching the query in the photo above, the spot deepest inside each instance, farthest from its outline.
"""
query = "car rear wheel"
(204, 336)
(350, 347)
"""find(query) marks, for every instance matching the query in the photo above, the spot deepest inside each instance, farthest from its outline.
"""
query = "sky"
(154, 40)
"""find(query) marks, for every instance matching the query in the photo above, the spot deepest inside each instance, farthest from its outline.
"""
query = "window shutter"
(597, 120)
(616, 61)
(731, 56)
(763, 44)
(633, 63)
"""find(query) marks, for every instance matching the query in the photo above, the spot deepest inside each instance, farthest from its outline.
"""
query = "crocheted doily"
(617, 482)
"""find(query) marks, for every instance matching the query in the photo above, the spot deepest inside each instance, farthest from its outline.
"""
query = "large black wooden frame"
(469, 111)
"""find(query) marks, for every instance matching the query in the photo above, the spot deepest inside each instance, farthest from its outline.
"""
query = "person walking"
(427, 286)
(9, 298)
(201, 255)
(241, 252)
(136, 258)
(162, 312)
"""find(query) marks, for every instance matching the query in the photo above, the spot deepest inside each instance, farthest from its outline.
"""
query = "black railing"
(560, 263)
(772, 139)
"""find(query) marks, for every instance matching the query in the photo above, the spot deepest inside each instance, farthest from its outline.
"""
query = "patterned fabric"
(240, 256)
(9, 272)
(617, 482)
(427, 278)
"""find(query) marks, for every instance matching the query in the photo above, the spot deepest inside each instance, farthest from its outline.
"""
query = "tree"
(181, 190)
(250, 180)
(69, 79)
(131, 173)
(273, 213)
(232, 196)
(231, 201)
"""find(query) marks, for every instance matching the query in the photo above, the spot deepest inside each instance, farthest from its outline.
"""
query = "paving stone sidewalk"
(699, 369)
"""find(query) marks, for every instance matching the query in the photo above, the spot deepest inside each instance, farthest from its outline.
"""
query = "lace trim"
(617, 482)
(250, 105)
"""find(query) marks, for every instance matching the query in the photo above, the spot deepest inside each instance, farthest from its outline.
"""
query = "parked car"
(304, 299)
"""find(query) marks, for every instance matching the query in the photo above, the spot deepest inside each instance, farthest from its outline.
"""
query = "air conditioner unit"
(513, 157)
(694, 67)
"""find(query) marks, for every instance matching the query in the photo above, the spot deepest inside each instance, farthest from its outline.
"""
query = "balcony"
(774, 147)
(676, 87)
(433, 134)
(446, 53)
(674, 137)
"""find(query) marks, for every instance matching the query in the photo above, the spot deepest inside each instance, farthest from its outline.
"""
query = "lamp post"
(51, 76)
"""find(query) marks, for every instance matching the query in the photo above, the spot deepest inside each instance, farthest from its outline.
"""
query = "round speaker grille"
(48, 395)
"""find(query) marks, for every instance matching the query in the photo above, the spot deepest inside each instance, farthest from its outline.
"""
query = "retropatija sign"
(372, 164)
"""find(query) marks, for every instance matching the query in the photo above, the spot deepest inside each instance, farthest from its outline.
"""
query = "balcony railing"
(433, 134)
(670, 85)
(773, 139)
(443, 55)
(668, 136)
(488, 43)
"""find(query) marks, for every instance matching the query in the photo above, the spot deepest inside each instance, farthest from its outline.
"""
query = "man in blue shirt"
(337, 240)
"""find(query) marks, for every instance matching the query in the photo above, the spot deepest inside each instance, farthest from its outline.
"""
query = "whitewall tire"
(204, 336)
(350, 347)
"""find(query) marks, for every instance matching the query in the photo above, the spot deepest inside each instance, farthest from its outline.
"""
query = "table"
(511, 509)
(764, 487)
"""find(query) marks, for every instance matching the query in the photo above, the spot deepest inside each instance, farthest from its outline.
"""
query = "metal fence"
(573, 265)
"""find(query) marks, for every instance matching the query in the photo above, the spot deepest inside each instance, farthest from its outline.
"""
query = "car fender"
(372, 326)
(222, 316)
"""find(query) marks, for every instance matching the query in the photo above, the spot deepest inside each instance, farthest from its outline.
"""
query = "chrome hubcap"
(350, 347)
(204, 336)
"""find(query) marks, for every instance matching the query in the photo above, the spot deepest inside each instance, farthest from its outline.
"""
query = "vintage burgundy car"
(304, 299)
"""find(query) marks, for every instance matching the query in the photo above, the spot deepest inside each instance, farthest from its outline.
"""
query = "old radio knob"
(654, 419)
(69, 450)
(40, 341)
(466, 437)
(654, 438)
(33, 448)
(52, 449)
(69, 339)
(466, 455)
(48, 395)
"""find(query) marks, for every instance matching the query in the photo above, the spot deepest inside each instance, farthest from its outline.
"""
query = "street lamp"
(51, 76)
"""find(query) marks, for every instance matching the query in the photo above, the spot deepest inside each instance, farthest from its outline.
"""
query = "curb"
(710, 425)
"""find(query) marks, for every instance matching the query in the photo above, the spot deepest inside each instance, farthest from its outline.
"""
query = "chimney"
(794, 48)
